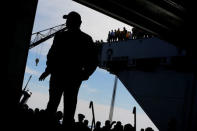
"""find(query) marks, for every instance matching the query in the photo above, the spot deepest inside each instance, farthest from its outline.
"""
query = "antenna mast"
(113, 99)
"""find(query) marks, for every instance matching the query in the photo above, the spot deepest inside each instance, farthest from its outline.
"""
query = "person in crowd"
(129, 127)
(124, 33)
(98, 126)
(115, 35)
(118, 126)
(149, 129)
(86, 128)
(118, 34)
(39, 121)
(109, 37)
(128, 35)
(108, 125)
(80, 125)
(112, 36)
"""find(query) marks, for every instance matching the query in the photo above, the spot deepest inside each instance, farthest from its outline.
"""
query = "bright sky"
(100, 85)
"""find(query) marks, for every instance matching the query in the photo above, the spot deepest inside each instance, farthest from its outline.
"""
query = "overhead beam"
(165, 19)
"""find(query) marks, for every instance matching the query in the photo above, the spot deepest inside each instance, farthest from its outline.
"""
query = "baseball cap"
(81, 116)
(73, 16)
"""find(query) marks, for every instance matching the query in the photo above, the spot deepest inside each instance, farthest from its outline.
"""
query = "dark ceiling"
(170, 20)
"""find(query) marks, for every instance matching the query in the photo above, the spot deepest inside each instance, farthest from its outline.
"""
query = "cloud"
(91, 90)
(38, 100)
(43, 48)
(84, 85)
(102, 71)
(31, 71)
(88, 89)
(49, 14)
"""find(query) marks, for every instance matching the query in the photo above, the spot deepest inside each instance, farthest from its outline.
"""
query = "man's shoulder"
(79, 34)
(85, 35)
(60, 34)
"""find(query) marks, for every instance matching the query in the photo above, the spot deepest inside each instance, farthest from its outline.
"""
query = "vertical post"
(113, 99)
(134, 112)
(93, 116)
(18, 46)
(25, 93)
(27, 83)
(26, 96)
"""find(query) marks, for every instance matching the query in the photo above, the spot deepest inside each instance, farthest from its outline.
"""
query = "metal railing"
(41, 36)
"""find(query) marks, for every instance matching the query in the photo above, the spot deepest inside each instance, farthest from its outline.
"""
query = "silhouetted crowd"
(123, 35)
(37, 119)
(120, 35)
(98, 42)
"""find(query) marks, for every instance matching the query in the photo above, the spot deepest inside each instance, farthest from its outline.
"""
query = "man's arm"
(50, 58)
(92, 61)
(112, 123)
(43, 76)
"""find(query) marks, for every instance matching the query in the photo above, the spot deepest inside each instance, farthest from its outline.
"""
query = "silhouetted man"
(108, 125)
(98, 126)
(71, 59)
(118, 126)
(79, 125)
(86, 128)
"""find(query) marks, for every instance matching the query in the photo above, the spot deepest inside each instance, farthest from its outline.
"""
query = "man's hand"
(43, 76)
(113, 122)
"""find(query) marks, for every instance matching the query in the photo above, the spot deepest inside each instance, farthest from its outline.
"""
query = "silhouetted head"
(149, 129)
(128, 127)
(73, 21)
(59, 115)
(86, 122)
(107, 123)
(98, 124)
(119, 123)
(36, 110)
(81, 117)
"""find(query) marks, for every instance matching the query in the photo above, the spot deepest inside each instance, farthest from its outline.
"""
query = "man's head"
(81, 117)
(98, 124)
(107, 123)
(73, 20)
(86, 122)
